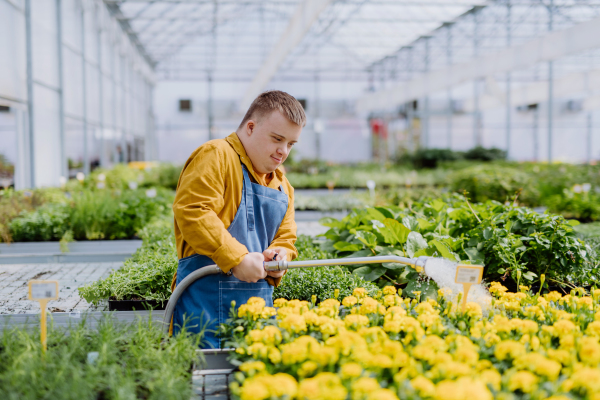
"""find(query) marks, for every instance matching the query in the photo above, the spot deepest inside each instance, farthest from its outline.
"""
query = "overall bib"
(208, 300)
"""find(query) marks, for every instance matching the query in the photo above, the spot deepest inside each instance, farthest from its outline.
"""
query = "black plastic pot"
(129, 305)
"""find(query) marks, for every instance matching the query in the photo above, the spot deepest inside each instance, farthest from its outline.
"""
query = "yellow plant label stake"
(468, 275)
(43, 292)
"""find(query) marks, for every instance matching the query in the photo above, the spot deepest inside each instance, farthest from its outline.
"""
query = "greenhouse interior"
(300, 199)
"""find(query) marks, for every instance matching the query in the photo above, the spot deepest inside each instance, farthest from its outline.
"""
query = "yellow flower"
(553, 296)
(497, 288)
(586, 378)
(589, 351)
(307, 368)
(382, 394)
(293, 323)
(462, 389)
(524, 381)
(539, 364)
(264, 386)
(389, 290)
(508, 349)
(369, 306)
(349, 301)
(362, 387)
(351, 370)
(473, 310)
(356, 321)
(563, 327)
(252, 366)
(562, 356)
(256, 301)
(280, 302)
(389, 300)
(330, 303)
(359, 293)
(593, 328)
(324, 386)
(423, 386)
(491, 377)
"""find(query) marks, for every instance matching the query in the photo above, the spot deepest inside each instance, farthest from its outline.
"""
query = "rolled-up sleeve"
(198, 201)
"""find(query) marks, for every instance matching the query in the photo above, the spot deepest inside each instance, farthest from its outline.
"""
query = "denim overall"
(209, 299)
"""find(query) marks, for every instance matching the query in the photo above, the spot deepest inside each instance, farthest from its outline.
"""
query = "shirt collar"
(237, 145)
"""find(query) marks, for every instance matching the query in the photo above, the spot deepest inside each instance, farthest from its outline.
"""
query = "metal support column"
(103, 161)
(209, 105)
(64, 165)
(450, 105)
(536, 135)
(86, 153)
(30, 130)
(113, 71)
(425, 122)
(476, 111)
(550, 84)
(590, 133)
(508, 80)
(123, 109)
(317, 122)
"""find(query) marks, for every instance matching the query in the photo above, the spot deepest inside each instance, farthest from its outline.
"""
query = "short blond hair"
(272, 100)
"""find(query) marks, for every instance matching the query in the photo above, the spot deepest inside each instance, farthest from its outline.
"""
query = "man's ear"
(250, 126)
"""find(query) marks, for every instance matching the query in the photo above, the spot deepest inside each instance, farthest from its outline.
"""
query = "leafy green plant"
(430, 158)
(584, 207)
(512, 242)
(147, 274)
(92, 215)
(48, 222)
(494, 182)
(112, 361)
(479, 153)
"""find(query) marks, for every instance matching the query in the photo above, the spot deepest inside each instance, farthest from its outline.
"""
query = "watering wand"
(282, 266)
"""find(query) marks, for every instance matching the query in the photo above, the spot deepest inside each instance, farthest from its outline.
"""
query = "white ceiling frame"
(304, 17)
(551, 46)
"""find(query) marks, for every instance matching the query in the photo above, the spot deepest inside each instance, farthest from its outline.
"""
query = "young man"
(235, 208)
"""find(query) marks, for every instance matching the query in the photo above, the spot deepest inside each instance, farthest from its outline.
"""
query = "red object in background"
(379, 128)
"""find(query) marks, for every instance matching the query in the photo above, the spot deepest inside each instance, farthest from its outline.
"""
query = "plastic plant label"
(43, 290)
(469, 274)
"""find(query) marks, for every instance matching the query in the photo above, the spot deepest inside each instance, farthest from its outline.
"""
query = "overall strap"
(281, 188)
(248, 192)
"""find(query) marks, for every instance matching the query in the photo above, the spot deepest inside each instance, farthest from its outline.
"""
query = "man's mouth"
(276, 159)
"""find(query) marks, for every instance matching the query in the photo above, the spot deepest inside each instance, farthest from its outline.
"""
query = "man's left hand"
(281, 255)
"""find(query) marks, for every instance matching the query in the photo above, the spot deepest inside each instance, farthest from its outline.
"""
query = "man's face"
(269, 140)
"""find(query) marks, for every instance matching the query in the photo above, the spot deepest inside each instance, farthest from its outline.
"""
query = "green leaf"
(345, 246)
(438, 205)
(410, 222)
(394, 266)
(425, 252)
(442, 249)
(414, 243)
(361, 253)
(332, 223)
(573, 222)
(368, 238)
(369, 274)
(394, 232)
(385, 212)
(488, 233)
(529, 275)
(424, 225)
(501, 270)
(475, 256)
(372, 213)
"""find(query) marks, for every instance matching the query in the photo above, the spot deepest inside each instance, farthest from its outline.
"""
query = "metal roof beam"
(304, 17)
(554, 45)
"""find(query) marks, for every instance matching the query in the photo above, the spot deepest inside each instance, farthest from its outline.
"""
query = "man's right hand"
(251, 269)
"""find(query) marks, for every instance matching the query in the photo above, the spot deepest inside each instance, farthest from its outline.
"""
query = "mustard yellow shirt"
(208, 194)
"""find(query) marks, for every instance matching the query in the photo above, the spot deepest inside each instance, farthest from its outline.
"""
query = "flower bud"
(336, 293)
